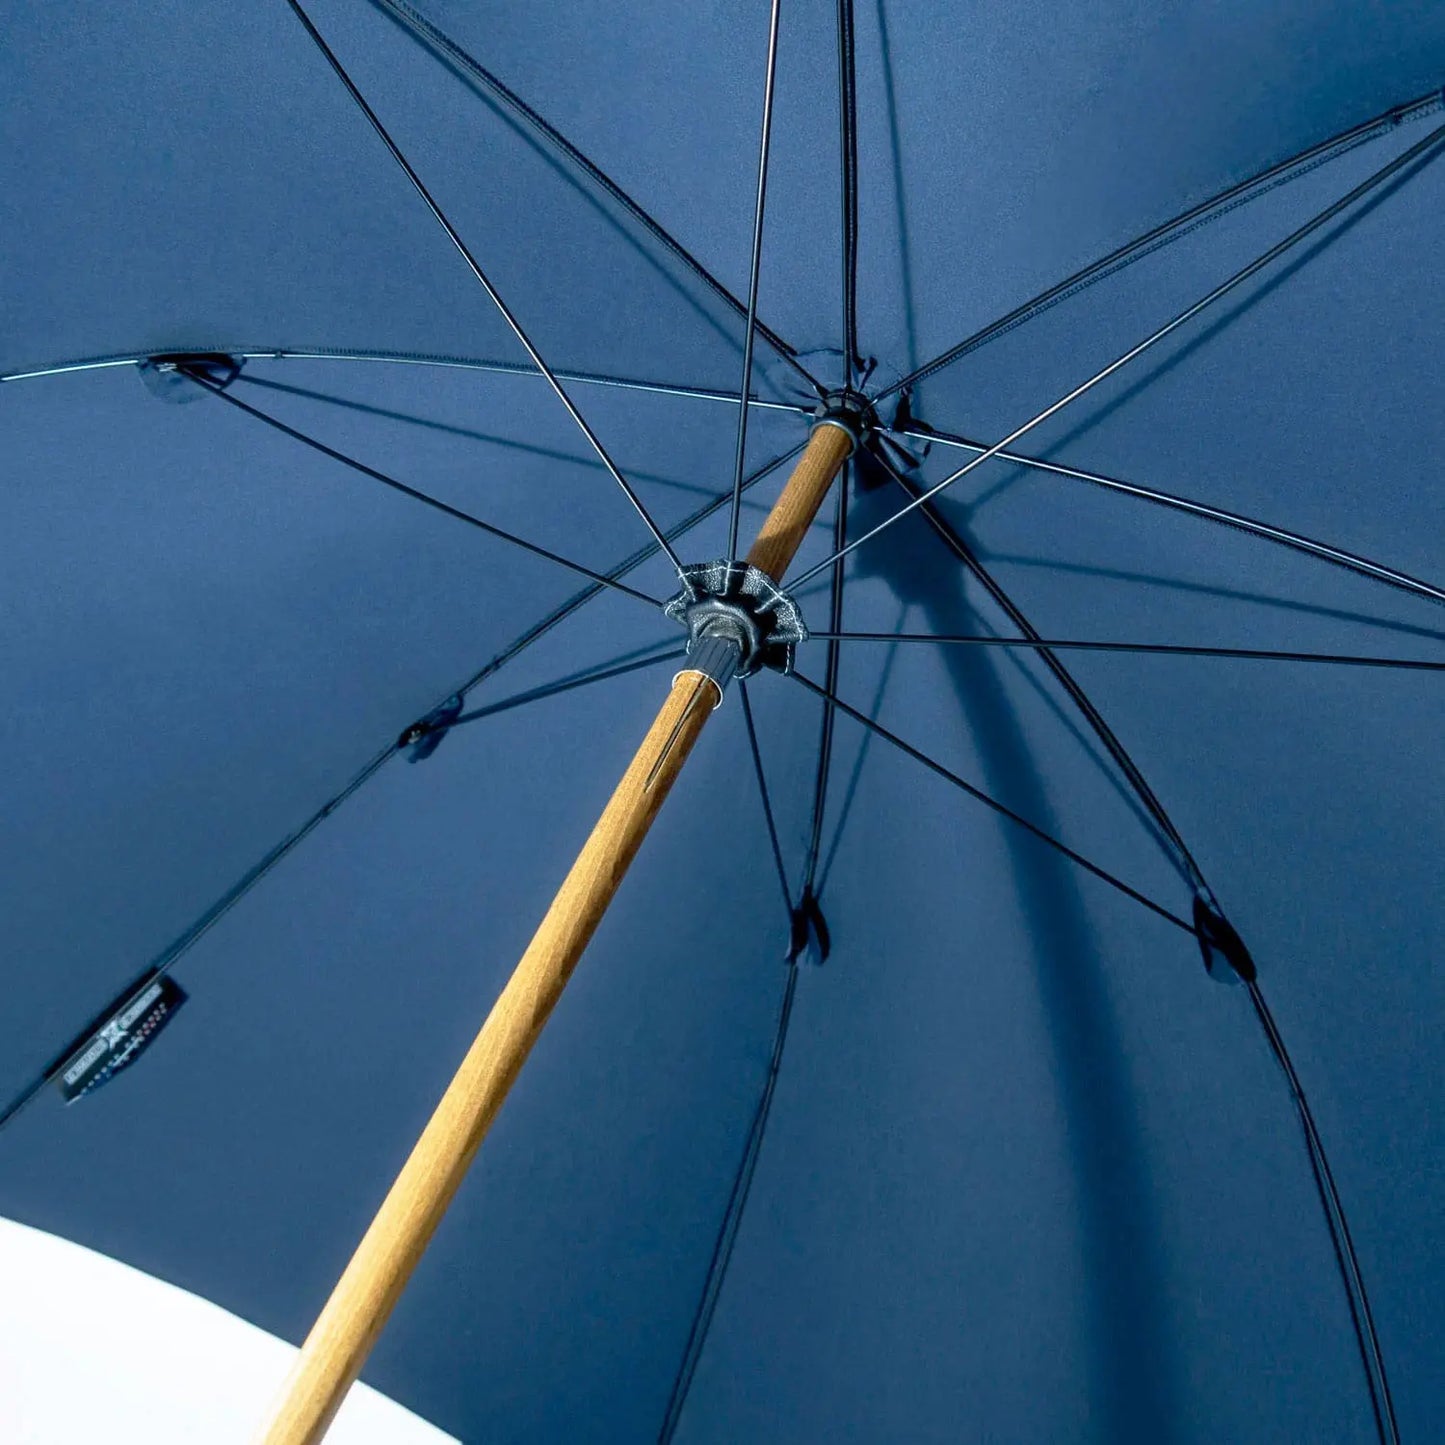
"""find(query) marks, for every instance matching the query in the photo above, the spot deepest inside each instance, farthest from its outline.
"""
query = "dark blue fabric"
(1031, 1174)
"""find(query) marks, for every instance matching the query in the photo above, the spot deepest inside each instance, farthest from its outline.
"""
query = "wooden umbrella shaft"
(347, 1327)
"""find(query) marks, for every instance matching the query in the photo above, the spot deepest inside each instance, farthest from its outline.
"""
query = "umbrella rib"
(307, 393)
(949, 537)
(764, 144)
(1168, 649)
(629, 662)
(731, 1222)
(1170, 231)
(848, 151)
(1351, 561)
(767, 801)
(601, 579)
(1163, 825)
(474, 266)
(850, 793)
(1406, 158)
(172, 954)
(1271, 600)
(403, 358)
(1361, 1316)
(432, 36)
(830, 683)
(1001, 808)
(509, 368)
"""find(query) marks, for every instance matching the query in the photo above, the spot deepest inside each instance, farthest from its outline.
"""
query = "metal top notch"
(848, 410)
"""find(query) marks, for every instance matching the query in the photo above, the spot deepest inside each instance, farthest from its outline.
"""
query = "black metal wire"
(855, 774)
(904, 248)
(174, 951)
(830, 683)
(416, 358)
(767, 801)
(1173, 230)
(430, 35)
(1350, 561)
(848, 150)
(1175, 847)
(1361, 1316)
(753, 273)
(474, 266)
(569, 684)
(935, 766)
(1273, 601)
(491, 439)
(731, 1222)
(1054, 705)
(1418, 152)
(601, 579)
(1164, 648)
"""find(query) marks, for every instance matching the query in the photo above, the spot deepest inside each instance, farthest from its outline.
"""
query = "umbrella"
(386, 382)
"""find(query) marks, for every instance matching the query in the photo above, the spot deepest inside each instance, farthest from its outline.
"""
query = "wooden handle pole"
(347, 1327)
(787, 524)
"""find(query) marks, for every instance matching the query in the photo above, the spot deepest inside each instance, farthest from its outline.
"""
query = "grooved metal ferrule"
(716, 657)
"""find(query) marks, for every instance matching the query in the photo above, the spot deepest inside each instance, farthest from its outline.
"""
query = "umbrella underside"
(1028, 1173)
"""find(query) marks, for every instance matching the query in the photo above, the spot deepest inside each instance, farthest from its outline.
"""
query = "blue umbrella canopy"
(1015, 1165)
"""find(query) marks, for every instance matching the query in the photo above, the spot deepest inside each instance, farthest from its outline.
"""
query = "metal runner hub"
(738, 620)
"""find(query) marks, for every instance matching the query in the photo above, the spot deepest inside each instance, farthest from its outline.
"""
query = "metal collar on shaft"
(850, 411)
(738, 620)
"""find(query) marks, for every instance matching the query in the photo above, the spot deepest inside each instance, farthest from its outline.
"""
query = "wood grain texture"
(346, 1329)
(787, 524)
